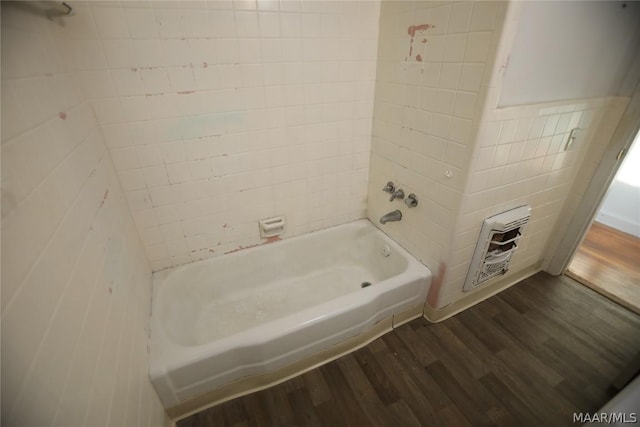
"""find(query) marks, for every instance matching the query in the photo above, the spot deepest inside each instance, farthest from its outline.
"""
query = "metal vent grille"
(519, 223)
(497, 242)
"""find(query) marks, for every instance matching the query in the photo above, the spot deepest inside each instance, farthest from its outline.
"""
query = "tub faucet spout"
(391, 216)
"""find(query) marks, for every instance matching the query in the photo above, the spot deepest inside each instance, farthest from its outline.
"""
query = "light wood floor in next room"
(530, 356)
(608, 261)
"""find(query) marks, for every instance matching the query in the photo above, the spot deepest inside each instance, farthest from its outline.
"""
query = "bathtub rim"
(162, 275)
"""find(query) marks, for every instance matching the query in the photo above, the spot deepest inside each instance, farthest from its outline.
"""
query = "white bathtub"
(254, 311)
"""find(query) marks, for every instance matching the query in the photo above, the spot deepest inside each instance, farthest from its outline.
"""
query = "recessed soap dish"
(271, 227)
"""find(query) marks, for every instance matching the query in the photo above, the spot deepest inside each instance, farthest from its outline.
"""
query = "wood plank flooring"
(608, 261)
(530, 356)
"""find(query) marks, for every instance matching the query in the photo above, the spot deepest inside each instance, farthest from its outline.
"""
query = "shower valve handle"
(411, 200)
(389, 188)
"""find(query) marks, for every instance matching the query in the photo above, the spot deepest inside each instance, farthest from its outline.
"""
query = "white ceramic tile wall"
(440, 69)
(432, 58)
(75, 279)
(520, 159)
(218, 114)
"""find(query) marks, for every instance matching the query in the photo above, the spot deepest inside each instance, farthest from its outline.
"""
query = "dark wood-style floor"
(608, 261)
(530, 356)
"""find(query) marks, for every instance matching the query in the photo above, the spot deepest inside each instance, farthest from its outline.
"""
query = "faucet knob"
(389, 188)
(397, 195)
(411, 200)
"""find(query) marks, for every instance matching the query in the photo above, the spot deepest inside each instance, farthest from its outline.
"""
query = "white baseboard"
(619, 223)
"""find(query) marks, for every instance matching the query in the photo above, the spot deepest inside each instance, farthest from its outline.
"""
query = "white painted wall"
(621, 206)
(572, 49)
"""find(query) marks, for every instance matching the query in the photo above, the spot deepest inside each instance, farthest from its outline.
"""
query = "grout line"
(62, 294)
(111, 228)
(53, 234)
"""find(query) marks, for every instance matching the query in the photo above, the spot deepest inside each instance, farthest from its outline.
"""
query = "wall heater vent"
(497, 242)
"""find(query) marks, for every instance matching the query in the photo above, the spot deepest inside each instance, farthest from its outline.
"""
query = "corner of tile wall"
(76, 283)
(518, 159)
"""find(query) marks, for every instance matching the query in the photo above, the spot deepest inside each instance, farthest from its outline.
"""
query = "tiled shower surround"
(220, 114)
(139, 135)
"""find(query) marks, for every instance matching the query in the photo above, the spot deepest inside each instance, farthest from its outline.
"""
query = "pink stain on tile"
(136, 69)
(239, 248)
(266, 242)
(436, 282)
(422, 27)
(205, 65)
(412, 30)
(418, 58)
(62, 115)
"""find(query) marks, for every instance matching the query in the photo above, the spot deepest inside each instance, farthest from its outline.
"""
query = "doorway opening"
(608, 259)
